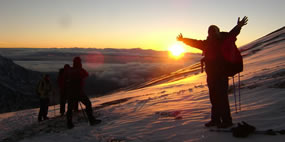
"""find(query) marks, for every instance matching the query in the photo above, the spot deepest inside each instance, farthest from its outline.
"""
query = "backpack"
(233, 62)
(232, 59)
(73, 79)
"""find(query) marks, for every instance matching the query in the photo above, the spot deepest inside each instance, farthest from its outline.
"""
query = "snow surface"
(173, 110)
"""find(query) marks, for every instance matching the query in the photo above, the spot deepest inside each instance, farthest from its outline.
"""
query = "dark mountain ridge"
(17, 86)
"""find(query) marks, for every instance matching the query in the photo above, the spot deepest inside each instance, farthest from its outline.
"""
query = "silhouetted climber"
(61, 79)
(75, 84)
(217, 76)
(44, 90)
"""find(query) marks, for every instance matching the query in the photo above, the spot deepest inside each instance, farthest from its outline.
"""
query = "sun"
(176, 51)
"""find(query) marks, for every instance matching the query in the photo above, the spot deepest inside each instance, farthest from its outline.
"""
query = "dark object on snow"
(243, 130)
(271, 132)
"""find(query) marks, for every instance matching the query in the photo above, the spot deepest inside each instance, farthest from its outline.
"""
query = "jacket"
(44, 89)
(212, 50)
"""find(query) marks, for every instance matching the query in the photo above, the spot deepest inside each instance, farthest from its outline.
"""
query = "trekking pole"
(83, 111)
(239, 92)
(234, 88)
(54, 110)
(54, 99)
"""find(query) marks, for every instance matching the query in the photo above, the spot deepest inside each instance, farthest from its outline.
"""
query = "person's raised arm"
(243, 22)
(240, 23)
(191, 42)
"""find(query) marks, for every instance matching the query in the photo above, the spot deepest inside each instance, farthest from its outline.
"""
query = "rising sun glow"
(176, 51)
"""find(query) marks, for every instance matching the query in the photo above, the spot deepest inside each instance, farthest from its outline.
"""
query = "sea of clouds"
(109, 69)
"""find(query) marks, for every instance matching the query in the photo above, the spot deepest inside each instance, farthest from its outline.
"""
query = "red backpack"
(232, 57)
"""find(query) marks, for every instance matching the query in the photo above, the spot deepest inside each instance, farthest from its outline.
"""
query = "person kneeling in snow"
(217, 77)
(74, 87)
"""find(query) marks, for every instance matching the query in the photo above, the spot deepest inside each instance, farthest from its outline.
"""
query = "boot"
(40, 119)
(225, 125)
(70, 125)
(93, 121)
(46, 118)
(212, 123)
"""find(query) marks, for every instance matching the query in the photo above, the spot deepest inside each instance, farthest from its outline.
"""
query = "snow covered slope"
(174, 110)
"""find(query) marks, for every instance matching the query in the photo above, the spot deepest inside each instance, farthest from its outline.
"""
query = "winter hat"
(213, 30)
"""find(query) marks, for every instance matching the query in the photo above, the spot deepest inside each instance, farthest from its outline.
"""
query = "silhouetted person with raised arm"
(75, 85)
(217, 79)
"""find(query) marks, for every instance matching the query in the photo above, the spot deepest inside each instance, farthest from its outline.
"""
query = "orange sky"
(144, 24)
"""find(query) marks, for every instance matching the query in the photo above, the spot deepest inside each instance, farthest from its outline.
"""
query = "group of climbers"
(71, 88)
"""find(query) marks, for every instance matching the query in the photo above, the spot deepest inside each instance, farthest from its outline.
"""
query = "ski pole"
(54, 109)
(83, 111)
(234, 89)
(239, 92)
(54, 99)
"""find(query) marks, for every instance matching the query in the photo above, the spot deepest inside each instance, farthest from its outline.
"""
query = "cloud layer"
(109, 69)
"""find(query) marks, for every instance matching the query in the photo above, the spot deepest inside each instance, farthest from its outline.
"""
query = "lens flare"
(94, 60)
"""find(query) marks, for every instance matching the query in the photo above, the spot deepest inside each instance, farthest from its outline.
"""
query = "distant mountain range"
(108, 55)
(17, 86)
